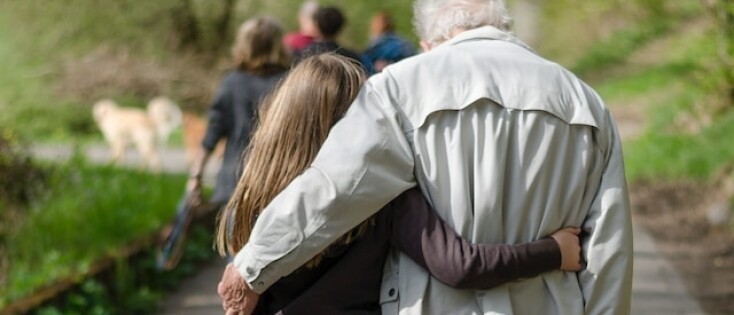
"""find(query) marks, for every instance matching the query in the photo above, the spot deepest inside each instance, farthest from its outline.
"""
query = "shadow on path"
(657, 287)
(198, 295)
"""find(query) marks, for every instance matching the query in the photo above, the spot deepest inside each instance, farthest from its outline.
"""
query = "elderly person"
(506, 146)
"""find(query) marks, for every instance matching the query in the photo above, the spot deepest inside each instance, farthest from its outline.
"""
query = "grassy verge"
(133, 285)
(89, 211)
(670, 155)
(619, 46)
(667, 91)
(26, 98)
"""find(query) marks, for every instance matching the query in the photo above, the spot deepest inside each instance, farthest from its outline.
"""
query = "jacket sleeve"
(219, 112)
(364, 163)
(420, 233)
(606, 282)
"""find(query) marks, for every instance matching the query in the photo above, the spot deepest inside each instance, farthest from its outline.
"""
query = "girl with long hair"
(345, 278)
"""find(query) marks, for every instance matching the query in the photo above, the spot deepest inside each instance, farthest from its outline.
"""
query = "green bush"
(20, 178)
(21, 181)
(88, 212)
(675, 155)
(134, 285)
(618, 47)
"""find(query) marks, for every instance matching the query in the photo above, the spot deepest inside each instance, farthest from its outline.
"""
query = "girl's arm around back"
(419, 232)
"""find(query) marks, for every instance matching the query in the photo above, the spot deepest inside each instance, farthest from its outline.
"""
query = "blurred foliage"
(670, 76)
(618, 47)
(672, 155)
(587, 34)
(669, 61)
(59, 57)
(87, 212)
(723, 12)
(20, 179)
(134, 285)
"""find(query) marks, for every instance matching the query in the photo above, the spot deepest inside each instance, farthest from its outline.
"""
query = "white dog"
(121, 126)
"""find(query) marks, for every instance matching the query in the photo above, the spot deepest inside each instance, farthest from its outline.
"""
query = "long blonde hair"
(258, 46)
(294, 122)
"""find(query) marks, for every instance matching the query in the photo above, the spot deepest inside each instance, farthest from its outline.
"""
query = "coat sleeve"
(364, 163)
(606, 283)
(420, 233)
(219, 113)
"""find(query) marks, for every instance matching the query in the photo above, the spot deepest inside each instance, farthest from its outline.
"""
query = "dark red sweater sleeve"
(420, 233)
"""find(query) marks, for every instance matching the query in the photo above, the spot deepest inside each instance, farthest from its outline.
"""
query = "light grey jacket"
(507, 146)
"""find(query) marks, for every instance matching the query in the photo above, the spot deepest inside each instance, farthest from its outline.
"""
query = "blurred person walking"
(330, 22)
(385, 47)
(296, 42)
(259, 62)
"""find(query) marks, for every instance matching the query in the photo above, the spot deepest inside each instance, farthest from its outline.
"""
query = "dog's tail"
(166, 116)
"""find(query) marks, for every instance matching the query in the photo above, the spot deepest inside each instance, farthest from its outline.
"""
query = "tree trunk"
(221, 27)
(186, 25)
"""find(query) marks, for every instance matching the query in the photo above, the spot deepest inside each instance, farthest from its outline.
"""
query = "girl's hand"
(568, 242)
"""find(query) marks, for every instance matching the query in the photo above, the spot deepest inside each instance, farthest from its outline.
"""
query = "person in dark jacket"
(260, 61)
(385, 46)
(345, 277)
(329, 21)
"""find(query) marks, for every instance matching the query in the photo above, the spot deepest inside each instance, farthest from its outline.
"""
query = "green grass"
(27, 97)
(89, 212)
(670, 155)
(135, 285)
(646, 81)
(667, 151)
(619, 46)
(39, 37)
(669, 89)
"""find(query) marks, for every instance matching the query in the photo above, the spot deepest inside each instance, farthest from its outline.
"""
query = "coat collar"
(485, 32)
